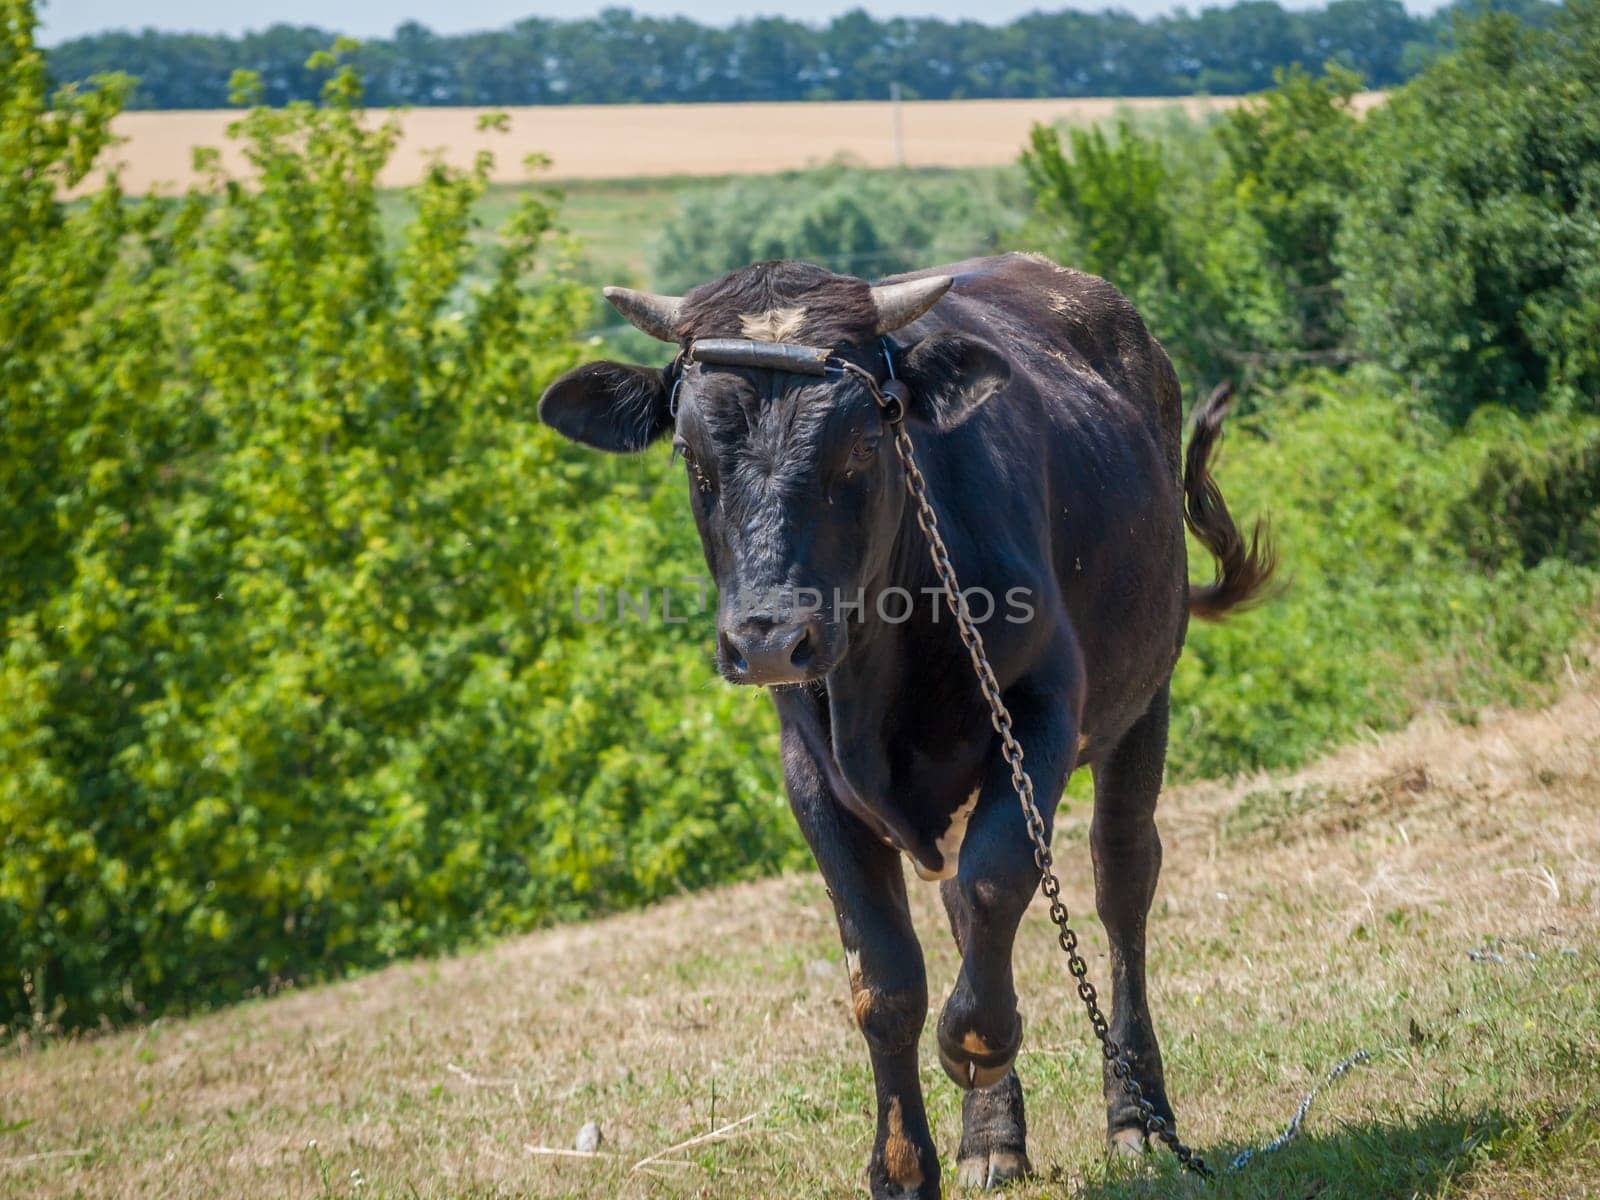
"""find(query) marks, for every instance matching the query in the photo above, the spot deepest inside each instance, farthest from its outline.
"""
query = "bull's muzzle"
(768, 651)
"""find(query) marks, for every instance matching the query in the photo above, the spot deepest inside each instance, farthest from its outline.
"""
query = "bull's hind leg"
(1127, 859)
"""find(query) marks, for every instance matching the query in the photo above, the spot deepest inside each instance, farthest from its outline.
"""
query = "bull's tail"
(1244, 569)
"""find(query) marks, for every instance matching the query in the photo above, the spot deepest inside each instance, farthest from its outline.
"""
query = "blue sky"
(370, 18)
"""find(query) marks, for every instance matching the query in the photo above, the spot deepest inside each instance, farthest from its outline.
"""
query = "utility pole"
(899, 126)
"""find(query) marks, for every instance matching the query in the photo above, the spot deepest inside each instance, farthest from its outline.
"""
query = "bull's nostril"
(734, 653)
(801, 655)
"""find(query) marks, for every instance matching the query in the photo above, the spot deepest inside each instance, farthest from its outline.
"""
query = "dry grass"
(617, 141)
(1299, 917)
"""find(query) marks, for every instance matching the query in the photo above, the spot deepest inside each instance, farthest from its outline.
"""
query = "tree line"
(621, 57)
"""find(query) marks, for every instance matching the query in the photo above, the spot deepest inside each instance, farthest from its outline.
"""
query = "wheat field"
(658, 140)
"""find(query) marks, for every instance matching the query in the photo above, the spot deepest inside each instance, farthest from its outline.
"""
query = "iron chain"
(1116, 1055)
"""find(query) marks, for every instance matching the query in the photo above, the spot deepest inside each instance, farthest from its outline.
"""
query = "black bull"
(1046, 420)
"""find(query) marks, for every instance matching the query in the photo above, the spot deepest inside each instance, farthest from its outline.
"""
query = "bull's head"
(793, 481)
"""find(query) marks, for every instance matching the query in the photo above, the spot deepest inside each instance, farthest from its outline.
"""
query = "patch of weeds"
(1537, 1139)
(796, 1106)
(1271, 809)
(1398, 1157)
(1278, 809)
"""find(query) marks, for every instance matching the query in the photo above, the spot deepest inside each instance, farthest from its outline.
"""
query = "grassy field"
(611, 221)
(614, 220)
(1433, 896)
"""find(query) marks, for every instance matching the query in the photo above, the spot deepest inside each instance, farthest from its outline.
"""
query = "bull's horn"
(902, 303)
(655, 315)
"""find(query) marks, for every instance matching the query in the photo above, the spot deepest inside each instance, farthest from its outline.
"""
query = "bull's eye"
(702, 481)
(862, 453)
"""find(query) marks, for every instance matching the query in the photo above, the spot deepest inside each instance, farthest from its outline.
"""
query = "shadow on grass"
(1370, 1161)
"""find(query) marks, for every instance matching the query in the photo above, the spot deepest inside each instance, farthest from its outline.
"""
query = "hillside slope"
(1434, 896)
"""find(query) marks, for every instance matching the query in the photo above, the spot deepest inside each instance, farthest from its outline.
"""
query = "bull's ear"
(950, 375)
(611, 406)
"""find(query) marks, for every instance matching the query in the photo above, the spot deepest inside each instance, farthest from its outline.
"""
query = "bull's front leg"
(888, 982)
(980, 1029)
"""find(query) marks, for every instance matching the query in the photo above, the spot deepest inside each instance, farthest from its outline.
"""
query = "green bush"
(1221, 234)
(855, 221)
(291, 670)
(1453, 236)
(1401, 592)
(1471, 251)
(1291, 165)
(1115, 205)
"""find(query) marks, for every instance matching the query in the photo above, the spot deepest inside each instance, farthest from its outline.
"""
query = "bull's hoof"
(908, 1189)
(1127, 1143)
(905, 1163)
(992, 1170)
(973, 1063)
(994, 1136)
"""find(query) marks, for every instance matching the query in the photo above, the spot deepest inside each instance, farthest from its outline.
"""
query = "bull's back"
(1097, 400)
(1063, 326)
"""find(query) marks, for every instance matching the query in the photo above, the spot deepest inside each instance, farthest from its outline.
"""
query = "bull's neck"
(905, 566)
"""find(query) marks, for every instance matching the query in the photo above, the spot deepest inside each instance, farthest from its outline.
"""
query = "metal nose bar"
(771, 356)
(891, 396)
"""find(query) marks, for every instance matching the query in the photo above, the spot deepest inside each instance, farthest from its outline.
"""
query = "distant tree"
(620, 57)
(1367, 37)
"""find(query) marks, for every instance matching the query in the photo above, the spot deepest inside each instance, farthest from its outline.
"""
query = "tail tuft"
(1244, 569)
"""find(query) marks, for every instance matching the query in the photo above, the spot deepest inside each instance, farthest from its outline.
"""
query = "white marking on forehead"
(1062, 303)
(774, 325)
(949, 843)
